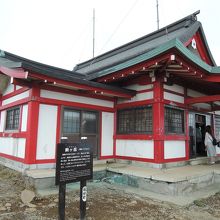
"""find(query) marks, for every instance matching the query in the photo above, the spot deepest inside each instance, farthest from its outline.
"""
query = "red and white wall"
(13, 144)
(135, 147)
(34, 144)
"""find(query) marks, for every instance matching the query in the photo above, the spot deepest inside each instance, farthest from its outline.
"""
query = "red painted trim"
(32, 127)
(173, 103)
(14, 135)
(133, 137)
(106, 157)
(100, 134)
(141, 80)
(202, 49)
(144, 90)
(200, 46)
(189, 41)
(12, 157)
(16, 92)
(175, 137)
(135, 159)
(202, 99)
(115, 128)
(158, 121)
(58, 130)
(212, 78)
(0, 100)
(72, 92)
(150, 137)
(133, 104)
(19, 102)
(187, 150)
(175, 159)
(135, 69)
(74, 104)
(80, 86)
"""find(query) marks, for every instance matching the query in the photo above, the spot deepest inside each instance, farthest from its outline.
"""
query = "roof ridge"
(190, 18)
(26, 61)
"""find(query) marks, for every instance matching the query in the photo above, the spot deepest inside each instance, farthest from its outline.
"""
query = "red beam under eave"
(203, 99)
(135, 68)
(15, 73)
(82, 86)
(212, 78)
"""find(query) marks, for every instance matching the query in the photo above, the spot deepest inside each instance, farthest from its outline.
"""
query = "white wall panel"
(217, 150)
(47, 126)
(18, 87)
(2, 121)
(16, 98)
(217, 112)
(175, 88)
(135, 148)
(21, 147)
(137, 87)
(202, 106)
(75, 98)
(208, 119)
(107, 134)
(6, 145)
(139, 97)
(174, 149)
(13, 146)
(173, 97)
(24, 118)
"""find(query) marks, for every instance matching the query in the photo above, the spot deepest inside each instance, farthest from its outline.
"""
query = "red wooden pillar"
(187, 145)
(158, 121)
(115, 128)
(32, 126)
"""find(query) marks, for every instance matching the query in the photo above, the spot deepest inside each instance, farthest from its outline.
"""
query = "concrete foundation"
(171, 179)
(166, 188)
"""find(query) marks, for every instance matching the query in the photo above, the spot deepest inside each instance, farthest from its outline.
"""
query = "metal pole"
(83, 197)
(93, 35)
(61, 205)
(157, 14)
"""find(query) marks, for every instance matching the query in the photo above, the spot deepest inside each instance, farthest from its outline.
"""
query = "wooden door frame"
(84, 110)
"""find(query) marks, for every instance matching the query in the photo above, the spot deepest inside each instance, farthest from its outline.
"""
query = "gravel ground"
(105, 201)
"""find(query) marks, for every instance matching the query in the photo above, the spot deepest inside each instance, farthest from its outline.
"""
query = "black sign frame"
(74, 162)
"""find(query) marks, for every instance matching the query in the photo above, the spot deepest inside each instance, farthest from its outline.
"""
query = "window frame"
(13, 129)
(132, 112)
(171, 132)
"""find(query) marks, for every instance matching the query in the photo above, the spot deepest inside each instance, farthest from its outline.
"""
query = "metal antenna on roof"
(157, 6)
(93, 34)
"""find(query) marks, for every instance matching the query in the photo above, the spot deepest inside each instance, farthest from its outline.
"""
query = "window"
(12, 119)
(135, 120)
(71, 121)
(89, 122)
(174, 120)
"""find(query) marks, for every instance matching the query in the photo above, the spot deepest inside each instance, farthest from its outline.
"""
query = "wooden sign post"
(74, 163)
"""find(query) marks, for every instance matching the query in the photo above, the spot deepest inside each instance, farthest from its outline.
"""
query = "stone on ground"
(27, 196)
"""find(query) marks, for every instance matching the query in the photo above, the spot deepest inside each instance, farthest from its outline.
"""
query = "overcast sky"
(59, 32)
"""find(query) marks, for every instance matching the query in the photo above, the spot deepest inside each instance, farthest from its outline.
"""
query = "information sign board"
(74, 162)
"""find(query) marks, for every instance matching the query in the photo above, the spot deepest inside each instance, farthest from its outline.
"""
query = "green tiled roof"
(174, 43)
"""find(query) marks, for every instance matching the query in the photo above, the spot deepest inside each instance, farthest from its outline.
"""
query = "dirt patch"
(105, 201)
